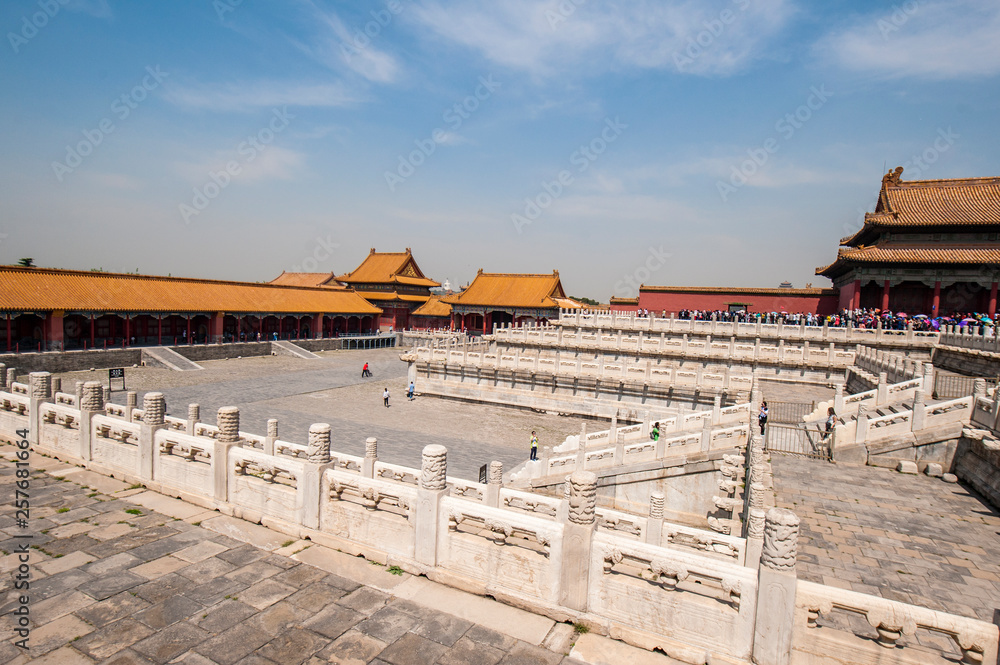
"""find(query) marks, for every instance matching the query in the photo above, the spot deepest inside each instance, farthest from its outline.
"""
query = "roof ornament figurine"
(893, 176)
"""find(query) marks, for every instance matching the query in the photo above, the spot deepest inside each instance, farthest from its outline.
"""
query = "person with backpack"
(654, 433)
(762, 417)
(831, 420)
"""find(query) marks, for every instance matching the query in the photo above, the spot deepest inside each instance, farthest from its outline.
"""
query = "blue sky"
(725, 142)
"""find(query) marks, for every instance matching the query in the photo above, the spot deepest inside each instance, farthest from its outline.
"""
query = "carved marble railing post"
(91, 401)
(838, 398)
(272, 436)
(3, 376)
(154, 408)
(706, 435)
(919, 411)
(39, 392)
(755, 537)
(882, 391)
(494, 482)
(613, 431)
(318, 454)
(371, 456)
(228, 422)
(194, 417)
(578, 533)
(654, 525)
(56, 386)
(11, 376)
(78, 388)
(928, 379)
(433, 487)
(776, 583)
(619, 454)
(107, 394)
(581, 449)
(131, 402)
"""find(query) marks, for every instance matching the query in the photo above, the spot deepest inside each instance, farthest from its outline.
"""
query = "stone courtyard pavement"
(910, 538)
(125, 576)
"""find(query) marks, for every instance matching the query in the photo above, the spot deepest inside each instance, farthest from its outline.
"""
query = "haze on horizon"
(739, 139)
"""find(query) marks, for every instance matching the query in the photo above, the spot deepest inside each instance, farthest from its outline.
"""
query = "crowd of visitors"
(859, 318)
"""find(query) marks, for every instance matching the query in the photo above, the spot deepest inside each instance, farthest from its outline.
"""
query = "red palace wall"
(674, 301)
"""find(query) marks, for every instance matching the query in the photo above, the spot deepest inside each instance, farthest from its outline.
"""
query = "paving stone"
(56, 633)
(467, 652)
(215, 591)
(316, 596)
(171, 641)
(412, 649)
(242, 555)
(293, 646)
(489, 637)
(365, 600)
(388, 624)
(112, 609)
(523, 653)
(301, 576)
(352, 648)
(111, 584)
(200, 552)
(206, 571)
(65, 563)
(158, 567)
(113, 638)
(440, 627)
(64, 656)
(334, 620)
(253, 572)
(233, 644)
(127, 657)
(168, 612)
(111, 564)
(57, 606)
(266, 593)
(166, 586)
(279, 617)
(223, 616)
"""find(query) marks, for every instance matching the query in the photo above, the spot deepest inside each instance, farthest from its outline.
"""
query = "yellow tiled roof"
(391, 295)
(40, 289)
(895, 254)
(388, 268)
(511, 290)
(325, 279)
(433, 307)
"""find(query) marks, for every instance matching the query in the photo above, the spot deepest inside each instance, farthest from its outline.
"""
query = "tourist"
(385, 397)
(534, 446)
(364, 371)
(409, 391)
(762, 417)
(654, 434)
(831, 419)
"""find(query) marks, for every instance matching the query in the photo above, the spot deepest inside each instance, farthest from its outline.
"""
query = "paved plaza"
(301, 392)
(125, 576)
(909, 538)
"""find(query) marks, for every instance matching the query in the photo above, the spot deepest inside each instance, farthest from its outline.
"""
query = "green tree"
(26, 263)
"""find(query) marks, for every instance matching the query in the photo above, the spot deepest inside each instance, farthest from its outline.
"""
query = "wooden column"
(935, 304)
(159, 330)
(885, 295)
(856, 304)
(8, 332)
(991, 308)
(92, 326)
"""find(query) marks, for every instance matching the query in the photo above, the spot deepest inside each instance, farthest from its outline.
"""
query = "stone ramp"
(162, 356)
(286, 348)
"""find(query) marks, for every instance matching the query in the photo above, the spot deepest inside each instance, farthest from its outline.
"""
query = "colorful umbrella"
(920, 316)
(902, 315)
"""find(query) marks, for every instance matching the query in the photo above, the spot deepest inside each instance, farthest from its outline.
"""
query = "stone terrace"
(115, 581)
(913, 539)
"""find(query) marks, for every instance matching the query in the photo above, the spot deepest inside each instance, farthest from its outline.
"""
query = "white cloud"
(336, 45)
(922, 38)
(539, 37)
(252, 96)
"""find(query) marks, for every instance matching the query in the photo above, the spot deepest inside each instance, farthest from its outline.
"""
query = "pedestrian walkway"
(909, 538)
(123, 575)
